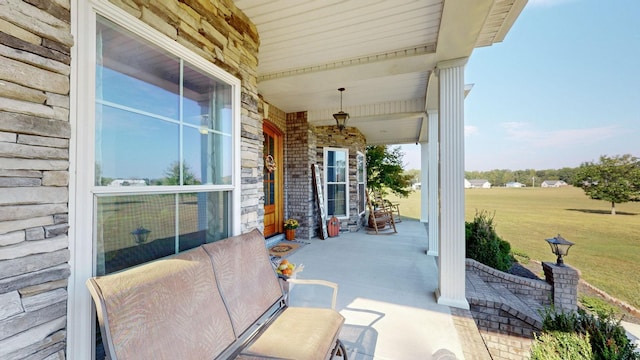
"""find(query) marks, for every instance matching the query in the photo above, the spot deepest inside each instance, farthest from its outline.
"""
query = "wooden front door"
(273, 180)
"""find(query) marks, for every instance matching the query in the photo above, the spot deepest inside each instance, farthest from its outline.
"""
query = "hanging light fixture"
(341, 116)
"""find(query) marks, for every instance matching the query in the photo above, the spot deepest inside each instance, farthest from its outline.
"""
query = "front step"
(496, 300)
(274, 240)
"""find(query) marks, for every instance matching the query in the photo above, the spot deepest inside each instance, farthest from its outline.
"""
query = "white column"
(451, 260)
(432, 183)
(424, 173)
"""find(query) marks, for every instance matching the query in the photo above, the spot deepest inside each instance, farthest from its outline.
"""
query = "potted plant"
(290, 227)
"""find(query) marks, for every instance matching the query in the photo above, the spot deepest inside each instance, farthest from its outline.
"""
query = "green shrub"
(559, 345)
(607, 337)
(484, 245)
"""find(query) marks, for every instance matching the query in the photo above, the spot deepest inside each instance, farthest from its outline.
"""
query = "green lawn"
(607, 250)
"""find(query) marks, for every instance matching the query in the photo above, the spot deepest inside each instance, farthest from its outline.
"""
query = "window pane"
(133, 229)
(133, 149)
(203, 218)
(336, 200)
(207, 157)
(134, 74)
(207, 101)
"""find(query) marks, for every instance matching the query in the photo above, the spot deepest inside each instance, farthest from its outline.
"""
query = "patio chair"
(394, 208)
(380, 220)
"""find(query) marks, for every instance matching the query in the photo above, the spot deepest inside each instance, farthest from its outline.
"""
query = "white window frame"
(82, 151)
(326, 151)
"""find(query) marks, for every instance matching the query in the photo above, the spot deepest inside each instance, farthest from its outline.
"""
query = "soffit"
(382, 52)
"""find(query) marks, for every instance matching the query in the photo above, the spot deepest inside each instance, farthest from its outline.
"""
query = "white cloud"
(548, 3)
(524, 133)
(470, 130)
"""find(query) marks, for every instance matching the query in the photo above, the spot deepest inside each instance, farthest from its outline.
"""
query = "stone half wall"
(35, 132)
(505, 308)
(350, 138)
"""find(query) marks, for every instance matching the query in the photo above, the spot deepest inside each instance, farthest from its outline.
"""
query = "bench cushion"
(166, 309)
(246, 279)
(298, 333)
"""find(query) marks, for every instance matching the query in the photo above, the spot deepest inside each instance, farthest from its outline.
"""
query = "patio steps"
(496, 308)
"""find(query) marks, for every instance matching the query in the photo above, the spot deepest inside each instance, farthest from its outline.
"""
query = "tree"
(172, 175)
(614, 179)
(414, 174)
(384, 170)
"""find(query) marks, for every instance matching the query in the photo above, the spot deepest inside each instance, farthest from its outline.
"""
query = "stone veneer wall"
(35, 58)
(275, 116)
(300, 153)
(35, 67)
(352, 139)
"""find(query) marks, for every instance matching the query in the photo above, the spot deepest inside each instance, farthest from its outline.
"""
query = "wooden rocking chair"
(380, 220)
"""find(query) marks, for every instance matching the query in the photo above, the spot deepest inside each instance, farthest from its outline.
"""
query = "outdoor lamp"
(140, 235)
(341, 116)
(559, 246)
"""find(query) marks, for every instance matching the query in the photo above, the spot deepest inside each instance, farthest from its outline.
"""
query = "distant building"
(417, 186)
(514, 184)
(128, 182)
(477, 184)
(553, 183)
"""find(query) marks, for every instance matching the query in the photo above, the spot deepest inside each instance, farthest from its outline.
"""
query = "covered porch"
(387, 287)
(397, 70)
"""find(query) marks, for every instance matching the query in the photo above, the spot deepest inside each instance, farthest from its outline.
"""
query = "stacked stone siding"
(276, 117)
(35, 58)
(352, 139)
(35, 133)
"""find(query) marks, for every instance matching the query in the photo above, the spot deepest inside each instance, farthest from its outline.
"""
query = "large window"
(163, 152)
(336, 162)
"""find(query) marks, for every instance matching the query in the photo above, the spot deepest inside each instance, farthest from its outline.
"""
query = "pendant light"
(341, 116)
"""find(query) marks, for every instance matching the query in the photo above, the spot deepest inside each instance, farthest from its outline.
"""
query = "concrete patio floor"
(386, 293)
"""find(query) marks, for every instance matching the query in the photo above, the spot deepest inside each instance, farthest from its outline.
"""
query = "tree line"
(529, 177)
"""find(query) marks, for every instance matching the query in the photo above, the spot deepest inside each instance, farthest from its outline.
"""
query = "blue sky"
(563, 88)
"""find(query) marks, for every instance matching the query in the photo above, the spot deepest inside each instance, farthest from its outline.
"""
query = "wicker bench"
(221, 300)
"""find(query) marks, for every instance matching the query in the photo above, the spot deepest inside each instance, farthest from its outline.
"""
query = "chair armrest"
(330, 284)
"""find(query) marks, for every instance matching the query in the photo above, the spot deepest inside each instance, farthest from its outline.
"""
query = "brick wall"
(505, 309)
(299, 155)
(350, 138)
(538, 290)
(35, 132)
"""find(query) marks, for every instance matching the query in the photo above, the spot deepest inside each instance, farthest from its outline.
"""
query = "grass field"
(606, 250)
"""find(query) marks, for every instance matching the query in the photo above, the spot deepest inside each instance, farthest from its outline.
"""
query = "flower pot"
(290, 234)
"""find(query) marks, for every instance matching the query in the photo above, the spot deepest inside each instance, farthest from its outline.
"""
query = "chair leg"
(339, 350)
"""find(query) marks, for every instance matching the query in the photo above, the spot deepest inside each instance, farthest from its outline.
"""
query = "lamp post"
(140, 235)
(560, 247)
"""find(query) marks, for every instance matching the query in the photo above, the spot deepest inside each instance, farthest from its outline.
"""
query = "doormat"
(285, 248)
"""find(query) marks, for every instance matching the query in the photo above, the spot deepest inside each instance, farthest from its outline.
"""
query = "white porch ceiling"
(381, 51)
